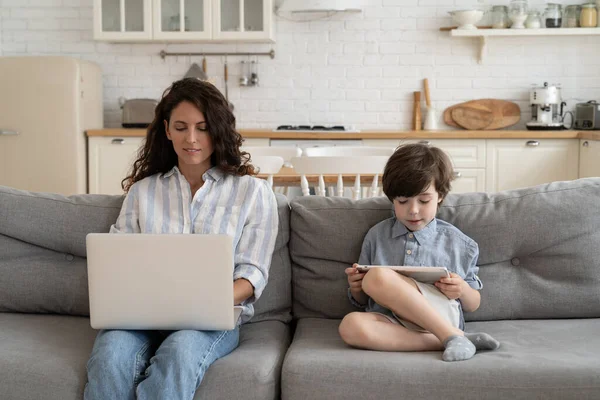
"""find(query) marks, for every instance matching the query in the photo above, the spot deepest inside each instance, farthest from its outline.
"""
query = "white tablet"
(421, 274)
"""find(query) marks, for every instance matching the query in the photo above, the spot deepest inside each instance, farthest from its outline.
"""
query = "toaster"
(138, 113)
(587, 115)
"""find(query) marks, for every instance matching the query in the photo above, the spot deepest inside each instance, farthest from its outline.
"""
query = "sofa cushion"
(42, 248)
(54, 221)
(253, 370)
(539, 253)
(275, 303)
(45, 357)
(538, 359)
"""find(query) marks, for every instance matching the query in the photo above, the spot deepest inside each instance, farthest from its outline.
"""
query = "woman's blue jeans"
(153, 364)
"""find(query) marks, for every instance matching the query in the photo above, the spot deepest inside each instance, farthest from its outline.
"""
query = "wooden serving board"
(475, 114)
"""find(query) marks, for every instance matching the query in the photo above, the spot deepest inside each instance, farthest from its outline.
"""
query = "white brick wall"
(354, 69)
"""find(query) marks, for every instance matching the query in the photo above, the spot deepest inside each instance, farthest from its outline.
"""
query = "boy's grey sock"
(482, 341)
(458, 348)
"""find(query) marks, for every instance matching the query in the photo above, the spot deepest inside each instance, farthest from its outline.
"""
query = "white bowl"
(466, 19)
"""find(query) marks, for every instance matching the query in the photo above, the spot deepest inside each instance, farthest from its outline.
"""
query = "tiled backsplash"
(348, 69)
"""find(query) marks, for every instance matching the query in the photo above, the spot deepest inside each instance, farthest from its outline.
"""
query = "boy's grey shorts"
(448, 309)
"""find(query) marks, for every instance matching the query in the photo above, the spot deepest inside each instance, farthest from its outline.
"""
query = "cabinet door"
(517, 163)
(182, 20)
(110, 160)
(589, 158)
(122, 20)
(468, 180)
(241, 20)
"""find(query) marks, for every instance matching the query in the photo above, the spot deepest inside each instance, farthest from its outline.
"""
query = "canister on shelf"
(500, 19)
(589, 16)
(553, 15)
(571, 19)
(533, 21)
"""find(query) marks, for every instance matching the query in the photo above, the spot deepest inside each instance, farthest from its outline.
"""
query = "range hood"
(312, 6)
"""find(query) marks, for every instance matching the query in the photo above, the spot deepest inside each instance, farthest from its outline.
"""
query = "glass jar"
(589, 16)
(534, 20)
(553, 15)
(571, 16)
(517, 11)
(598, 10)
(500, 18)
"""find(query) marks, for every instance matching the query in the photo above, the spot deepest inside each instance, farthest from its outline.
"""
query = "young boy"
(403, 314)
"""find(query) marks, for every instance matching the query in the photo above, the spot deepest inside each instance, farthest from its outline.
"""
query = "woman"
(190, 177)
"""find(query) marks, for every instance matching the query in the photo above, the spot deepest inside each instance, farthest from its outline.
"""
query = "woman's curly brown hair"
(158, 156)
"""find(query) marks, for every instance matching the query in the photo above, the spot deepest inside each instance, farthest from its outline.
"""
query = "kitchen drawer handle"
(532, 143)
(585, 144)
(7, 132)
(118, 141)
(425, 142)
(457, 174)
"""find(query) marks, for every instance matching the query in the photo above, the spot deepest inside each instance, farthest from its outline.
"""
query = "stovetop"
(315, 128)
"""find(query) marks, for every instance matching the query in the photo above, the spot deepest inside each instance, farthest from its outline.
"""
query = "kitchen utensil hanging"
(254, 74)
(196, 72)
(244, 81)
(226, 79)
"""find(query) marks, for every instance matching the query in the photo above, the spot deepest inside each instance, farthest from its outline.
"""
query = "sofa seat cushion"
(253, 370)
(538, 359)
(45, 357)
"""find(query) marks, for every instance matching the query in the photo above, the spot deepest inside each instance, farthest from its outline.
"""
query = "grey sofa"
(539, 261)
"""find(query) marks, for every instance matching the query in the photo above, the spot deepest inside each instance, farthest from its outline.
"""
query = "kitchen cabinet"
(589, 158)
(256, 142)
(468, 180)
(109, 161)
(183, 20)
(467, 155)
(123, 20)
(517, 163)
(243, 20)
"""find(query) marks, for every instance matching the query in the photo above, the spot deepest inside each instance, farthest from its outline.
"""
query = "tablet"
(421, 274)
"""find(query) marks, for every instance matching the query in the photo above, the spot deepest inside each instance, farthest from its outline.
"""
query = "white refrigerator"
(46, 105)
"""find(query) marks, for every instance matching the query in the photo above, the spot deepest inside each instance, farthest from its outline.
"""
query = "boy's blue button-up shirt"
(439, 244)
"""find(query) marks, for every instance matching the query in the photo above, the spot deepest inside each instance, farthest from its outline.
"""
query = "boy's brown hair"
(412, 167)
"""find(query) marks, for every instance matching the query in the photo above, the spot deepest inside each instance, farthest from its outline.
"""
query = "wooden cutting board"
(475, 114)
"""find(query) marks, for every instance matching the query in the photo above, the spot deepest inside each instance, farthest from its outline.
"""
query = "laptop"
(161, 281)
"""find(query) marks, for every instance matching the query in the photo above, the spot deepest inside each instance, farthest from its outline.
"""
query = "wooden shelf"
(526, 32)
(483, 34)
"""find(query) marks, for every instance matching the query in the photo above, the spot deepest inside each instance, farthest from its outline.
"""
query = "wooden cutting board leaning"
(484, 114)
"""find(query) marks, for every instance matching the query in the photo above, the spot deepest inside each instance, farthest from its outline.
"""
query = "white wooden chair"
(347, 151)
(286, 153)
(269, 165)
(351, 157)
(340, 165)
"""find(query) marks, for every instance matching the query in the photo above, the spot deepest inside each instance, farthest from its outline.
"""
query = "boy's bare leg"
(374, 331)
(400, 294)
